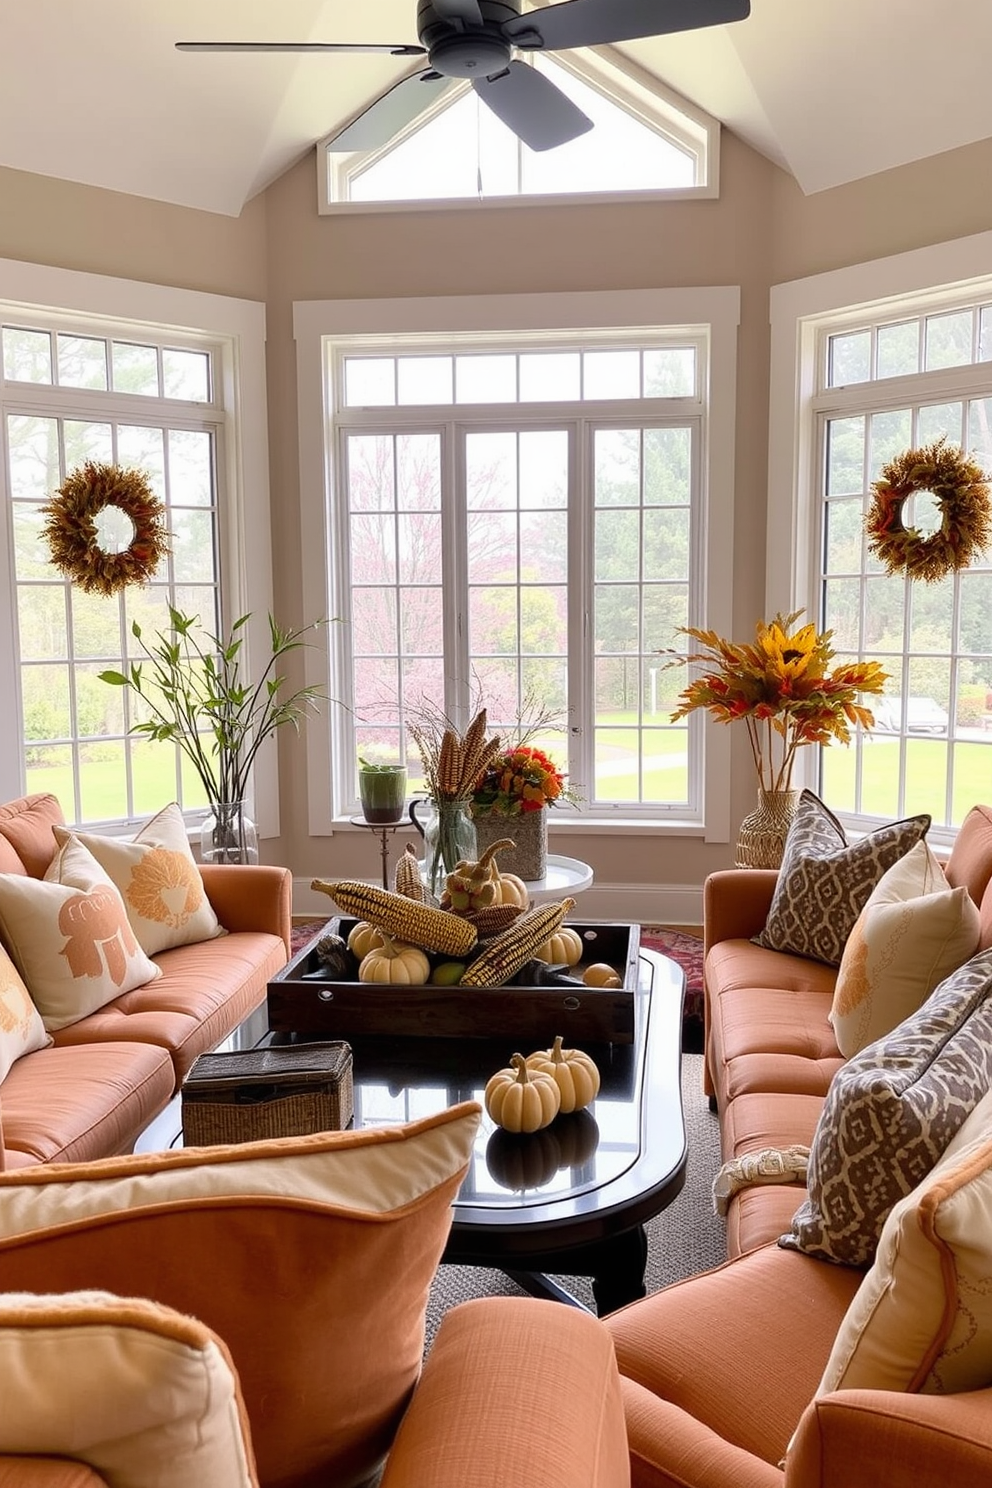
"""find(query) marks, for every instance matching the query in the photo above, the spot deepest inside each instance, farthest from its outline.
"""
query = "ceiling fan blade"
(531, 105)
(581, 23)
(459, 10)
(401, 50)
(391, 112)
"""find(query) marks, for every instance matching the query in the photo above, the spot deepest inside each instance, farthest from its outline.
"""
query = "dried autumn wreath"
(961, 491)
(73, 538)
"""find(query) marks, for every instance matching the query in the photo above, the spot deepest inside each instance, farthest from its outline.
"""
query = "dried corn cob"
(494, 919)
(417, 924)
(472, 746)
(406, 879)
(506, 953)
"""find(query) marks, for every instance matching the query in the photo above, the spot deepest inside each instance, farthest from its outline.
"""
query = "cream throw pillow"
(158, 880)
(21, 1028)
(68, 935)
(140, 1393)
(914, 931)
(922, 1317)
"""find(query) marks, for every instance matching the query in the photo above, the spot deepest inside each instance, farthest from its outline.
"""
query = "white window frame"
(35, 293)
(716, 309)
(632, 89)
(802, 312)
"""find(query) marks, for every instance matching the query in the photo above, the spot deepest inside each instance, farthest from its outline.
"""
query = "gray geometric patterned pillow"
(824, 882)
(890, 1113)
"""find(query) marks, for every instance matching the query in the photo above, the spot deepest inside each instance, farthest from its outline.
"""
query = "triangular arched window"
(644, 140)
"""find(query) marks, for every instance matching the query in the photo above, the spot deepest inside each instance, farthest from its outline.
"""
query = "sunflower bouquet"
(782, 686)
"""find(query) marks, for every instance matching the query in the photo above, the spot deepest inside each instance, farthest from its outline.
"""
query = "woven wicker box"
(252, 1094)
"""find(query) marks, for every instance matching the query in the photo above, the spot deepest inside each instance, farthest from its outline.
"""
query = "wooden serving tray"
(303, 998)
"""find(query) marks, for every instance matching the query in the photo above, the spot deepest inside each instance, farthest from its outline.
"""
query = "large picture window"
(83, 381)
(890, 388)
(894, 374)
(75, 728)
(529, 544)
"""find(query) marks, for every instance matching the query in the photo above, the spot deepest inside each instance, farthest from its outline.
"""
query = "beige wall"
(761, 231)
(68, 226)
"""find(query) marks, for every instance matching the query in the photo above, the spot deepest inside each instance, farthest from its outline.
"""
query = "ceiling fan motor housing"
(475, 51)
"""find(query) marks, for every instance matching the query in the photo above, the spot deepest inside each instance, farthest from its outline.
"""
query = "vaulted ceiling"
(94, 91)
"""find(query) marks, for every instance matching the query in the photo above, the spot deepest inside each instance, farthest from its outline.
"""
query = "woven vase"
(761, 840)
(528, 858)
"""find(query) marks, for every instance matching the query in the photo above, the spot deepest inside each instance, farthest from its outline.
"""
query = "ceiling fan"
(476, 39)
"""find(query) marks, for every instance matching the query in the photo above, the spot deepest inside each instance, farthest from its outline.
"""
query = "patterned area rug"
(687, 950)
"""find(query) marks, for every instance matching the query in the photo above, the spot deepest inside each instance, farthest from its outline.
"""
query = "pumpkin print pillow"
(158, 880)
(21, 1028)
(69, 937)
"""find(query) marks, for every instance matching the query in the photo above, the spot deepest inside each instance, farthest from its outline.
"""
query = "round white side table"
(562, 876)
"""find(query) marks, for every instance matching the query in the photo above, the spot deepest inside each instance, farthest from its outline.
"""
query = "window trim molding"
(717, 308)
(237, 326)
(799, 311)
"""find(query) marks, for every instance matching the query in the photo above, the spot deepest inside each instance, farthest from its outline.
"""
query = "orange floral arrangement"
(519, 779)
(783, 688)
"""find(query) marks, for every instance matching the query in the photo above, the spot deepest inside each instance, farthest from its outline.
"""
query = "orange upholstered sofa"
(770, 1050)
(93, 1090)
(721, 1372)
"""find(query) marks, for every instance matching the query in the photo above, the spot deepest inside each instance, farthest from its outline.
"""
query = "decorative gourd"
(363, 938)
(395, 962)
(471, 884)
(509, 888)
(573, 1071)
(520, 1099)
(333, 954)
(523, 1161)
(601, 975)
(563, 949)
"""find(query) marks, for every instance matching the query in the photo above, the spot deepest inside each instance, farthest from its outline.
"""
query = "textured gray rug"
(685, 1238)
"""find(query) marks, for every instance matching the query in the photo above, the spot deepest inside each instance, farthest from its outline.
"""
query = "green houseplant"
(191, 684)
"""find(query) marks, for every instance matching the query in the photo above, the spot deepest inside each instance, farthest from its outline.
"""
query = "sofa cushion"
(204, 992)
(21, 1028)
(69, 937)
(74, 1105)
(922, 1317)
(718, 1382)
(136, 1391)
(157, 877)
(824, 881)
(913, 932)
(890, 1113)
(311, 1257)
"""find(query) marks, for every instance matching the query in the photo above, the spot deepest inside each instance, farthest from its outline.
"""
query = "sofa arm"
(860, 1438)
(251, 896)
(736, 902)
(514, 1391)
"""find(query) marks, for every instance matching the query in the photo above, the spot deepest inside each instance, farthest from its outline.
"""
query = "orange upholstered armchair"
(253, 1316)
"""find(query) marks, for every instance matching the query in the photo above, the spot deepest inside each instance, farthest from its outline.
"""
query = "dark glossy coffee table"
(571, 1200)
